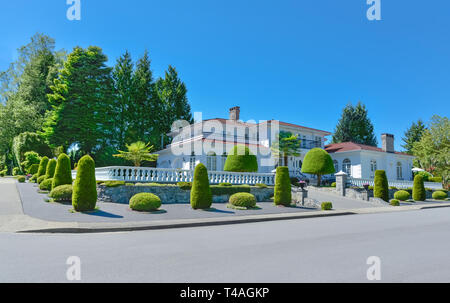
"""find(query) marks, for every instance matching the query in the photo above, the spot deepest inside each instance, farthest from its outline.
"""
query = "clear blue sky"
(299, 61)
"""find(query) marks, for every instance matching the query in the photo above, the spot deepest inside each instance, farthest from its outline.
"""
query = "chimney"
(234, 113)
(388, 143)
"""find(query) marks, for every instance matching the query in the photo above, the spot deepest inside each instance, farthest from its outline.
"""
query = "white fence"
(396, 183)
(170, 175)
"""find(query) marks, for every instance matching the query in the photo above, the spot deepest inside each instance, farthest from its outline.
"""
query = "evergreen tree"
(83, 103)
(412, 135)
(355, 126)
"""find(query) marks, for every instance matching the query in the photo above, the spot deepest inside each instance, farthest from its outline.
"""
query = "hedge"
(381, 188)
(326, 206)
(145, 202)
(42, 166)
(243, 200)
(225, 184)
(84, 197)
(46, 184)
(201, 195)
(113, 183)
(218, 190)
(63, 173)
(401, 195)
(33, 169)
(394, 202)
(282, 195)
(435, 179)
(419, 193)
(40, 179)
(240, 159)
(62, 193)
(439, 195)
(185, 185)
(50, 171)
(261, 185)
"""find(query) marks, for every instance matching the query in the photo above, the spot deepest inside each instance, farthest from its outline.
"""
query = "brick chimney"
(387, 143)
(234, 113)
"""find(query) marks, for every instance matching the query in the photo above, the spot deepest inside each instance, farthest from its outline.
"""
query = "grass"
(229, 205)
(73, 211)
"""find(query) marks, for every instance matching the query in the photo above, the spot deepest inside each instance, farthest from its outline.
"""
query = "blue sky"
(299, 61)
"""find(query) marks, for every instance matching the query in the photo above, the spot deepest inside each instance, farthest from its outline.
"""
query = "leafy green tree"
(318, 162)
(31, 158)
(286, 145)
(240, 159)
(413, 134)
(355, 126)
(137, 153)
(83, 102)
(433, 150)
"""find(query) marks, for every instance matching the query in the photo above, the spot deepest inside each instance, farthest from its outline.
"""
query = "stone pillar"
(304, 194)
(341, 182)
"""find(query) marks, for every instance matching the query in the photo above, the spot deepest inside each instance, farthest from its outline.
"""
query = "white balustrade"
(395, 183)
(170, 175)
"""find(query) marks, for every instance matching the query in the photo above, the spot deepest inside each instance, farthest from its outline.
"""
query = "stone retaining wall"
(168, 194)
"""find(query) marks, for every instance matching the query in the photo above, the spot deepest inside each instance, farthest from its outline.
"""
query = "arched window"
(347, 167)
(373, 168)
(399, 171)
(211, 163)
(336, 165)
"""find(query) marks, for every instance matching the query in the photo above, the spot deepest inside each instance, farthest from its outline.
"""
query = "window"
(224, 158)
(347, 167)
(192, 162)
(318, 142)
(211, 163)
(373, 168)
(304, 142)
(336, 165)
(399, 171)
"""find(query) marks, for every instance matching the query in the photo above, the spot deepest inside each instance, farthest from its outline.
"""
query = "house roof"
(351, 146)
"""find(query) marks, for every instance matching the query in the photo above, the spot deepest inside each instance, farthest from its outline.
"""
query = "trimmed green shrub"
(240, 159)
(21, 179)
(62, 193)
(371, 187)
(3, 173)
(394, 202)
(40, 179)
(113, 183)
(145, 202)
(381, 188)
(33, 169)
(440, 195)
(50, 171)
(46, 184)
(243, 200)
(318, 162)
(419, 193)
(261, 185)
(334, 184)
(84, 197)
(16, 171)
(393, 188)
(401, 195)
(201, 196)
(225, 184)
(425, 175)
(154, 184)
(33, 178)
(129, 184)
(63, 173)
(282, 195)
(435, 179)
(326, 206)
(185, 185)
(218, 190)
(42, 166)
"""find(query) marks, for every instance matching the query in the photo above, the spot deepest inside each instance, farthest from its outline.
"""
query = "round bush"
(381, 188)
(240, 159)
(401, 195)
(326, 206)
(62, 193)
(243, 200)
(46, 184)
(439, 195)
(318, 162)
(50, 171)
(145, 202)
(419, 193)
(84, 197)
(21, 179)
(63, 173)
(40, 179)
(282, 195)
(42, 166)
(201, 196)
(394, 202)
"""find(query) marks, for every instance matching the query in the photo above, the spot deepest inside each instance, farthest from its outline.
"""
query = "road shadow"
(101, 213)
(215, 210)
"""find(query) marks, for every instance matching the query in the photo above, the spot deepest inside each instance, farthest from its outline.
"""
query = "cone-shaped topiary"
(63, 174)
(381, 186)
(282, 195)
(84, 195)
(419, 193)
(42, 166)
(240, 159)
(50, 171)
(201, 197)
(318, 162)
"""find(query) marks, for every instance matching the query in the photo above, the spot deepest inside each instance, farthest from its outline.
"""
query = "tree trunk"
(286, 160)
(319, 177)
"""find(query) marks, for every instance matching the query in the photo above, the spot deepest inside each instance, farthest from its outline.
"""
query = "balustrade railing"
(395, 183)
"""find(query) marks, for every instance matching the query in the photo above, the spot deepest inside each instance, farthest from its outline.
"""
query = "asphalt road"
(413, 246)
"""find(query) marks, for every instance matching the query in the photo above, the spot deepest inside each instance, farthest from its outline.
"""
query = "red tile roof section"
(350, 146)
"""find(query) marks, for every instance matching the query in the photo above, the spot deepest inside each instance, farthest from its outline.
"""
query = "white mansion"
(210, 141)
